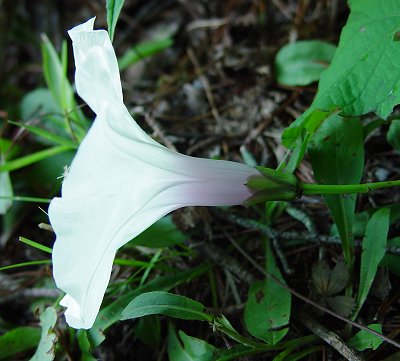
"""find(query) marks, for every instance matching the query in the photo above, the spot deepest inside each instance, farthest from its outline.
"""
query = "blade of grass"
(143, 50)
(27, 199)
(35, 245)
(33, 158)
(25, 264)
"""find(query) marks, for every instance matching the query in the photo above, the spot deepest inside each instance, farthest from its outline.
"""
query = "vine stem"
(309, 189)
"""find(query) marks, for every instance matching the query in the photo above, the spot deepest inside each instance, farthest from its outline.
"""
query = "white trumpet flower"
(120, 182)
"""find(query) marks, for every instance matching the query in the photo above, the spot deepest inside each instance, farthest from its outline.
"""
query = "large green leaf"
(112, 313)
(113, 10)
(337, 157)
(167, 304)
(373, 250)
(364, 75)
(267, 310)
(18, 340)
(302, 62)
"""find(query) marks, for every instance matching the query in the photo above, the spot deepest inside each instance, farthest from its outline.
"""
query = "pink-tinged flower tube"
(120, 182)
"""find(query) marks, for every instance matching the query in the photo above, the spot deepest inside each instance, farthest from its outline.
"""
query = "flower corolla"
(120, 182)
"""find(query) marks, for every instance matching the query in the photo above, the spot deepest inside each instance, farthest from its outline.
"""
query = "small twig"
(207, 88)
(206, 23)
(329, 337)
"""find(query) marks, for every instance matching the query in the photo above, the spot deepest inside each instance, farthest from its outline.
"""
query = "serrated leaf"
(373, 251)
(113, 10)
(45, 350)
(167, 304)
(320, 276)
(337, 157)
(363, 340)
(188, 348)
(342, 305)
(301, 62)
(339, 278)
(329, 282)
(267, 310)
(363, 76)
(18, 340)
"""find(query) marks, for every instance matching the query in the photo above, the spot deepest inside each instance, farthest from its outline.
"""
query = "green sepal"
(272, 185)
(278, 177)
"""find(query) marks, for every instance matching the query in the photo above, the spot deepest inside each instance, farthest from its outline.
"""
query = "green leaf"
(6, 191)
(47, 135)
(84, 346)
(167, 304)
(302, 62)
(40, 104)
(18, 340)
(337, 157)
(6, 188)
(267, 310)
(373, 250)
(363, 339)
(235, 353)
(163, 233)
(112, 313)
(56, 79)
(45, 350)
(393, 134)
(188, 348)
(148, 330)
(113, 10)
(143, 50)
(362, 77)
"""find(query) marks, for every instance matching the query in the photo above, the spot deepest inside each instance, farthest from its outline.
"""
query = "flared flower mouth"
(120, 182)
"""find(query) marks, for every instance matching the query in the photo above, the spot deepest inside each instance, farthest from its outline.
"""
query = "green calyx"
(272, 185)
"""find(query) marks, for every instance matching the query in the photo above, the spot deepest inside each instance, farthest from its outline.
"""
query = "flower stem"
(308, 189)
